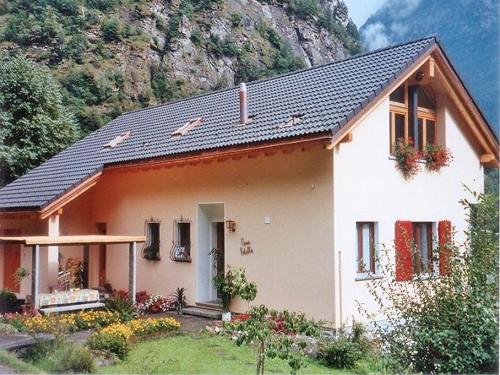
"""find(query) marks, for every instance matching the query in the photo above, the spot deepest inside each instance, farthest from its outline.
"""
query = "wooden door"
(12, 261)
(220, 252)
(101, 229)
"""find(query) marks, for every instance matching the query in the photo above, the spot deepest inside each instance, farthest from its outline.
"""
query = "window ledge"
(367, 277)
(425, 276)
(182, 259)
(421, 161)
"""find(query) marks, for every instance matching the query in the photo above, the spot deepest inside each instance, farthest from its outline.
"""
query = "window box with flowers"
(436, 157)
(407, 158)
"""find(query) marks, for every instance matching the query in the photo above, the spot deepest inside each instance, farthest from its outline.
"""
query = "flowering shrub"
(96, 319)
(437, 157)
(273, 333)
(56, 324)
(154, 303)
(61, 323)
(110, 342)
(407, 158)
(116, 337)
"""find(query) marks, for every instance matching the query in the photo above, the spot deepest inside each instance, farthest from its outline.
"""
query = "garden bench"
(71, 300)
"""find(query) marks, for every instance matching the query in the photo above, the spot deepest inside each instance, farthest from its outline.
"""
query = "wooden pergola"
(36, 241)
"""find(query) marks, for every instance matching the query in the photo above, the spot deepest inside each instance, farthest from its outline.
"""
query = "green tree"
(34, 124)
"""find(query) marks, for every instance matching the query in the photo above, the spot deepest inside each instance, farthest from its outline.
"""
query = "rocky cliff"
(115, 55)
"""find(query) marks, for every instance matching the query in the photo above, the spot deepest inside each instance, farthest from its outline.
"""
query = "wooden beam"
(235, 153)
(69, 196)
(72, 240)
(35, 276)
(86, 262)
(486, 158)
(347, 138)
(358, 118)
(132, 271)
(431, 67)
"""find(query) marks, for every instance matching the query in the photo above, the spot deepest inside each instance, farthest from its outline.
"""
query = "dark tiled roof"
(327, 95)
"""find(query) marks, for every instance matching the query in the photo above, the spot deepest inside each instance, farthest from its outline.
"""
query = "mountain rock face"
(468, 30)
(116, 55)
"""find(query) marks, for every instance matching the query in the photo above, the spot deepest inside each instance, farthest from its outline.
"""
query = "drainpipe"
(334, 265)
(243, 104)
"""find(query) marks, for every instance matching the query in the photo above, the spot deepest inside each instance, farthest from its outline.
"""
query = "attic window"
(117, 140)
(184, 129)
(293, 120)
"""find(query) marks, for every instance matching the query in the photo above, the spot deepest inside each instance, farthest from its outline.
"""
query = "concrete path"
(18, 340)
(188, 323)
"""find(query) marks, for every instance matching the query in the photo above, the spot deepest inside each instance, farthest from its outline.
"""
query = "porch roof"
(72, 240)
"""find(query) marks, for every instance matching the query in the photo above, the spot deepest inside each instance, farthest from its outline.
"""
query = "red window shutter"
(403, 243)
(444, 237)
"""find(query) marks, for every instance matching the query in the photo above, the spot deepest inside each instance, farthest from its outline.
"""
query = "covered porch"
(36, 242)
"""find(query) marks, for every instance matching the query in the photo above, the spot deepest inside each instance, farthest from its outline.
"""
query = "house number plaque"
(246, 247)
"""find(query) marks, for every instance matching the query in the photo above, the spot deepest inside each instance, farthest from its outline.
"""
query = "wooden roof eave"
(488, 154)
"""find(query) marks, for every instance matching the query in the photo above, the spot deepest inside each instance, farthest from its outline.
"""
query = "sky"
(360, 10)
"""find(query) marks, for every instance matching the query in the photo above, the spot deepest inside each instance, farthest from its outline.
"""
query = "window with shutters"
(366, 255)
(400, 124)
(422, 257)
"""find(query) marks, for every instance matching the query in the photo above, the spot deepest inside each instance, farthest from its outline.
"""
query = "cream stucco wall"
(369, 188)
(292, 262)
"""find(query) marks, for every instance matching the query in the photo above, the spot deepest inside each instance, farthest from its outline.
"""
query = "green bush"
(111, 29)
(7, 329)
(122, 306)
(304, 8)
(60, 356)
(7, 298)
(341, 353)
(448, 324)
(110, 343)
(103, 5)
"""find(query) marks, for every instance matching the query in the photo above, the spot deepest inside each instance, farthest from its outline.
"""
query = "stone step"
(209, 305)
(204, 313)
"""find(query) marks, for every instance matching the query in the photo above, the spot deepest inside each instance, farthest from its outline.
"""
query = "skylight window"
(184, 129)
(117, 140)
(293, 120)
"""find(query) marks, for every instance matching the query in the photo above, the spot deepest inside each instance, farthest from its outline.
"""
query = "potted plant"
(436, 157)
(407, 158)
(224, 284)
(20, 274)
(180, 299)
(234, 283)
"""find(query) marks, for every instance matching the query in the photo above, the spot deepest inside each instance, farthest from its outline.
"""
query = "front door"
(101, 229)
(220, 252)
(12, 261)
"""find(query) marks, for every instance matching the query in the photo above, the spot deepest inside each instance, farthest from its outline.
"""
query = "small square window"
(151, 250)
(366, 248)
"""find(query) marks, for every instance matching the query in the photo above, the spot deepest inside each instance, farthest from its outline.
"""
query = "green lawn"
(200, 353)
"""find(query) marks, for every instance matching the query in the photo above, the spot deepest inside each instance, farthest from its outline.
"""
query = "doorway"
(12, 262)
(211, 250)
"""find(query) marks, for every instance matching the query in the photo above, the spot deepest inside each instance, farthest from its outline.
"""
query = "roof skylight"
(293, 120)
(117, 140)
(184, 129)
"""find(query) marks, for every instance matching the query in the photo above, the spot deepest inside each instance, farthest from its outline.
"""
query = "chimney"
(243, 104)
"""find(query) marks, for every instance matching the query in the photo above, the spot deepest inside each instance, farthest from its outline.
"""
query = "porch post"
(53, 252)
(35, 275)
(132, 271)
(86, 260)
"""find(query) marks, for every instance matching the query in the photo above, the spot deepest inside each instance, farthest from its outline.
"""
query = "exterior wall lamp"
(231, 225)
